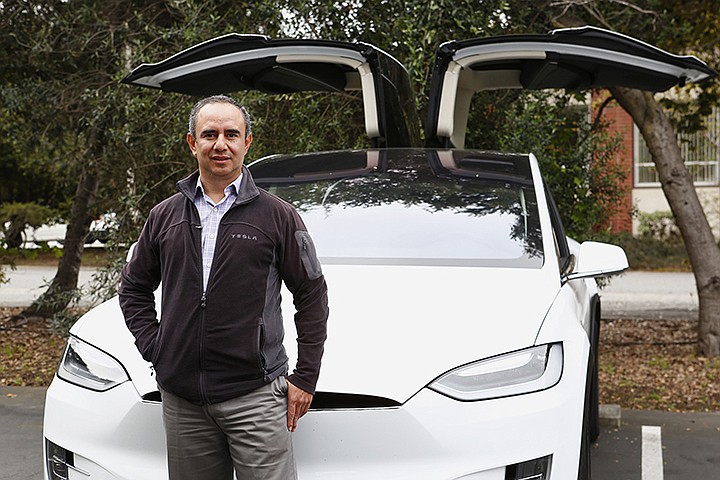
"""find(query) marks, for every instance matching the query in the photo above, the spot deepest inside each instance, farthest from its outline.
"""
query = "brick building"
(701, 152)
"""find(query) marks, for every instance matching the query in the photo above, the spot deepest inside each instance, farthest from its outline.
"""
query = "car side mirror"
(596, 259)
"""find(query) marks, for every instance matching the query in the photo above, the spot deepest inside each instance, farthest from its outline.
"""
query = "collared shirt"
(210, 215)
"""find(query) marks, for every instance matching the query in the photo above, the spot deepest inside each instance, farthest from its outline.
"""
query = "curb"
(610, 415)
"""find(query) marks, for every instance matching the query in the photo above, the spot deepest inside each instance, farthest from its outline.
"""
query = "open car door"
(573, 58)
(238, 62)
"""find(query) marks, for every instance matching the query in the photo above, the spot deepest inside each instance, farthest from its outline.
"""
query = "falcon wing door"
(237, 62)
(575, 59)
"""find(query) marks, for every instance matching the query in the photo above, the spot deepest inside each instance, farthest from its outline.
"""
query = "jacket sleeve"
(302, 274)
(139, 279)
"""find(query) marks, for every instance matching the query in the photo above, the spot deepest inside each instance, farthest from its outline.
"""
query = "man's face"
(219, 143)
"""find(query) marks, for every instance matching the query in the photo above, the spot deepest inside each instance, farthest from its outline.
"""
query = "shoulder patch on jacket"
(308, 255)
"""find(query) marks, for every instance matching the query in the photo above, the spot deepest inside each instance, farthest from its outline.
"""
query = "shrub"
(659, 226)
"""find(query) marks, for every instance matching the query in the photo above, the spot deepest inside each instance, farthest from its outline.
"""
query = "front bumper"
(117, 435)
(109, 435)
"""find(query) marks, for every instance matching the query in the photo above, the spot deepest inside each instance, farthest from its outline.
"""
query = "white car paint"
(430, 436)
(393, 331)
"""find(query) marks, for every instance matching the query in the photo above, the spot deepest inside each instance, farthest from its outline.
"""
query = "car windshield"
(412, 207)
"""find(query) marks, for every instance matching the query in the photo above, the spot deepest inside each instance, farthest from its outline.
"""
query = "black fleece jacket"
(213, 345)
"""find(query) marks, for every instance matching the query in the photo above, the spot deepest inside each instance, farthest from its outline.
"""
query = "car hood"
(392, 330)
(104, 327)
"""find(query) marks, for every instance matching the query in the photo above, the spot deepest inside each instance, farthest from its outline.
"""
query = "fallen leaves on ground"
(652, 365)
(29, 351)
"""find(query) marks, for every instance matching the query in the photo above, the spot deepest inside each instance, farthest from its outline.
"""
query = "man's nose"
(220, 143)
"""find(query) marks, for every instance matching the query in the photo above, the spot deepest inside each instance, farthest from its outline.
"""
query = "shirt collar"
(233, 188)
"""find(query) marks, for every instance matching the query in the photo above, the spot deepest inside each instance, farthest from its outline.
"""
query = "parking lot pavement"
(21, 414)
(650, 295)
(688, 447)
(28, 282)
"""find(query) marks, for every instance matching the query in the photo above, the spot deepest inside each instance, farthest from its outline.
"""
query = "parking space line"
(652, 462)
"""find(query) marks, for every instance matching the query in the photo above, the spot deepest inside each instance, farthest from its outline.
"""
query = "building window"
(700, 150)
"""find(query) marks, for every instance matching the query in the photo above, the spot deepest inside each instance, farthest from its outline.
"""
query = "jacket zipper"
(201, 340)
(203, 302)
(261, 346)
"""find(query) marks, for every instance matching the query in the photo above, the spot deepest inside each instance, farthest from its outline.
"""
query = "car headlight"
(525, 371)
(89, 367)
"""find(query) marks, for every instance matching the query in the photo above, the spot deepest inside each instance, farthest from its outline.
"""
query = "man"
(221, 247)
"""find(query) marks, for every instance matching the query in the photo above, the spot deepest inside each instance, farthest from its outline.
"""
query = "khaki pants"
(247, 434)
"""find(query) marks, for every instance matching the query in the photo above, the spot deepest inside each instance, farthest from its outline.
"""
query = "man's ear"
(248, 141)
(191, 144)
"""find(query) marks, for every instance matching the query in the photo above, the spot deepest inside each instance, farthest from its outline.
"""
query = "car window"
(561, 242)
(400, 211)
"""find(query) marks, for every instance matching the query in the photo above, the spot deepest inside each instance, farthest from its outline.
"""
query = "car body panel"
(113, 434)
(573, 59)
(237, 62)
(429, 437)
(433, 318)
(104, 327)
(426, 307)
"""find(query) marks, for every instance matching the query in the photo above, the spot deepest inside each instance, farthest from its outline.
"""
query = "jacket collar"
(247, 193)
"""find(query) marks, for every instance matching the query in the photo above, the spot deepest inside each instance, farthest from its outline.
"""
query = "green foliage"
(410, 30)
(62, 321)
(689, 27)
(7, 257)
(575, 157)
(659, 226)
(305, 122)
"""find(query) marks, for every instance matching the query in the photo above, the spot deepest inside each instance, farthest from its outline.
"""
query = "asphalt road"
(27, 282)
(21, 414)
(650, 295)
(688, 448)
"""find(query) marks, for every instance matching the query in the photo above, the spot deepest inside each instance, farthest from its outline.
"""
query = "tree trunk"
(677, 184)
(61, 289)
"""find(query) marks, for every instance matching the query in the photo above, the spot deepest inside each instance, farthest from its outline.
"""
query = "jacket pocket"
(260, 344)
(308, 255)
(155, 348)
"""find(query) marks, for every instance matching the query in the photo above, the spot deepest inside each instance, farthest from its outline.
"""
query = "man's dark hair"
(218, 99)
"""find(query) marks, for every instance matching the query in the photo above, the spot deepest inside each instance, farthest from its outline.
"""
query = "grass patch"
(92, 257)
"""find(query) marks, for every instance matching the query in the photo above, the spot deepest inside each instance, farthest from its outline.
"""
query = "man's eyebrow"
(215, 130)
